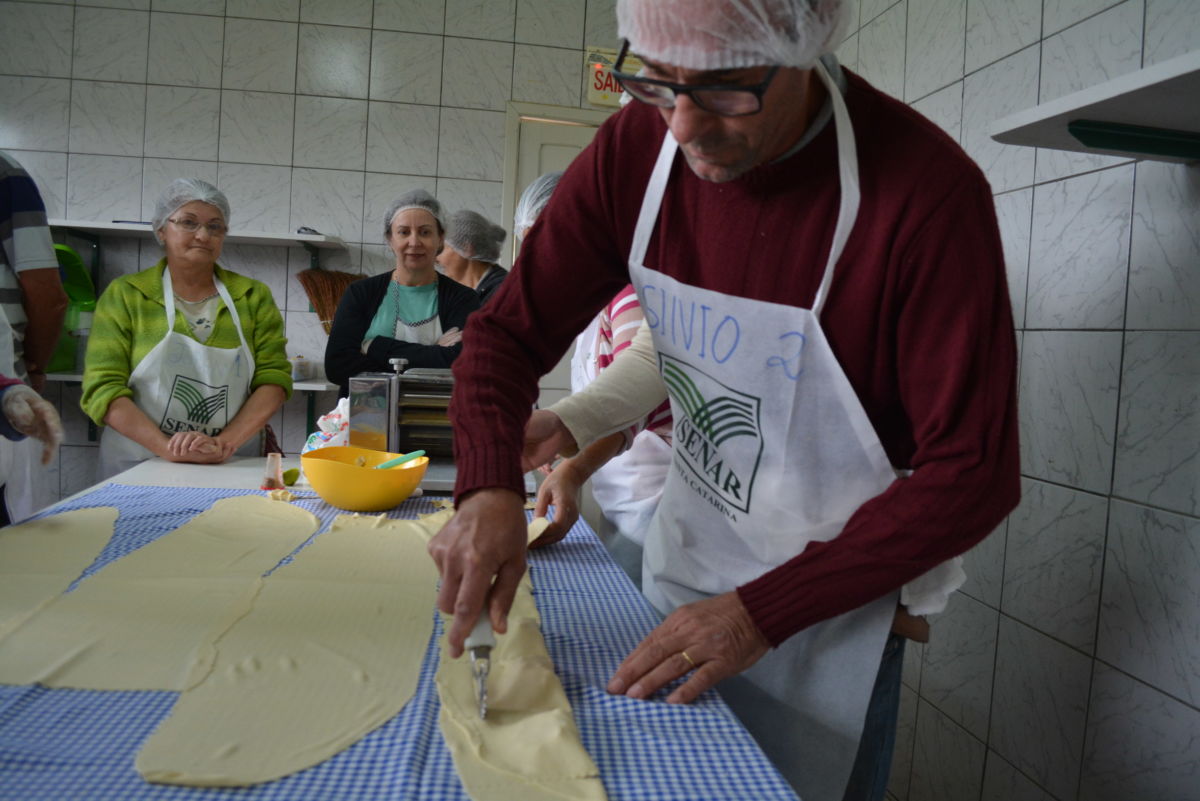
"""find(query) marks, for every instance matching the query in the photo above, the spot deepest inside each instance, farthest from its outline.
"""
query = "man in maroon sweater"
(823, 278)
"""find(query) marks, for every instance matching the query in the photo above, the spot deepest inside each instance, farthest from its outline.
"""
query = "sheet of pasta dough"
(331, 650)
(40, 559)
(141, 621)
(528, 748)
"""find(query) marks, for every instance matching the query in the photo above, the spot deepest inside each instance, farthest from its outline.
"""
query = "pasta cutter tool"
(479, 645)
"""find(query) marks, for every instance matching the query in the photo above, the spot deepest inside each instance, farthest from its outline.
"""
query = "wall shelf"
(142, 230)
(1153, 113)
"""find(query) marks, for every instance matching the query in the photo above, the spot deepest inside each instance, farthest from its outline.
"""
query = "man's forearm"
(45, 305)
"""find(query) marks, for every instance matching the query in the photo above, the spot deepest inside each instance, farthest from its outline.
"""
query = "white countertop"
(246, 472)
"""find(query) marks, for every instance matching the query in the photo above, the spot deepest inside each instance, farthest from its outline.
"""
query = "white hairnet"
(182, 191)
(731, 34)
(474, 236)
(533, 200)
(416, 199)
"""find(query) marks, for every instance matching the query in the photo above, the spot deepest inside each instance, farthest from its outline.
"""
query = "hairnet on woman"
(532, 201)
(411, 312)
(186, 359)
(472, 253)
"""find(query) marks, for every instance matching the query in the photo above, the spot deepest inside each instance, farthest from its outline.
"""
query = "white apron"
(184, 385)
(772, 450)
(426, 333)
(629, 486)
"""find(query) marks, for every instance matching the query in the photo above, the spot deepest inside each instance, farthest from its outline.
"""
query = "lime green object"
(290, 475)
(81, 303)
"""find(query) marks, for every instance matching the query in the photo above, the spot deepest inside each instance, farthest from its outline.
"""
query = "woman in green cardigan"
(186, 359)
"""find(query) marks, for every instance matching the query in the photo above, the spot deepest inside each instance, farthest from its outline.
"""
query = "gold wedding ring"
(691, 662)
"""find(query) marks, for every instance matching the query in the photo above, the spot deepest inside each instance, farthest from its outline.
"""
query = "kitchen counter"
(246, 472)
(58, 744)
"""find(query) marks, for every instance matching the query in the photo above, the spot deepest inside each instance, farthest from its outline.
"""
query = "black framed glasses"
(727, 100)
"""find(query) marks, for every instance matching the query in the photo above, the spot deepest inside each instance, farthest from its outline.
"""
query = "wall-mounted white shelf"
(234, 236)
(1155, 108)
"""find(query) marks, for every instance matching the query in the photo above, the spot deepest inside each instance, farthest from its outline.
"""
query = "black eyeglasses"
(727, 100)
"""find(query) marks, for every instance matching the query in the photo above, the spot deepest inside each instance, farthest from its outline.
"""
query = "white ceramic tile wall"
(186, 49)
(956, 676)
(935, 45)
(1003, 782)
(881, 50)
(36, 40)
(1164, 284)
(317, 112)
(182, 122)
(945, 108)
(1140, 743)
(997, 90)
(1094, 580)
(1053, 561)
(418, 16)
(1068, 410)
(110, 44)
(947, 762)
(1079, 251)
(998, 28)
(1171, 30)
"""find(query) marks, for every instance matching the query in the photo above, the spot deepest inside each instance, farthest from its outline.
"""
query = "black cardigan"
(490, 282)
(343, 354)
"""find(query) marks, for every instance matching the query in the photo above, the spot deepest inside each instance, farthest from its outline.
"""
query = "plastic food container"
(345, 477)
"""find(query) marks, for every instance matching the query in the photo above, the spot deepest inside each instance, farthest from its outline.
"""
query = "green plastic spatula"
(408, 457)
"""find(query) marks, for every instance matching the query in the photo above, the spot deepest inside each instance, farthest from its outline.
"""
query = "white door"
(543, 139)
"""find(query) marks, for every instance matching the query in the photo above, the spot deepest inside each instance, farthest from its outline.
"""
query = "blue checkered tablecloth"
(58, 745)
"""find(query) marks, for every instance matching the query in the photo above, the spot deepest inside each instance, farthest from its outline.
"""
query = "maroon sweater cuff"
(772, 611)
(487, 466)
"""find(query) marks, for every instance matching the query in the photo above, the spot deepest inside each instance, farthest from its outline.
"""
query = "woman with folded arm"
(411, 312)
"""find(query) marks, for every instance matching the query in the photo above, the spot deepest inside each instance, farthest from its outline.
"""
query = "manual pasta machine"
(402, 411)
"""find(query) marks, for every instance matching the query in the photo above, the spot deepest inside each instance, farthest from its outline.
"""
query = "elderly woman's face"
(413, 236)
(199, 247)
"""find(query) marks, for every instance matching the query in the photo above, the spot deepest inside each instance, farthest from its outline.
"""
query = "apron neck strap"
(851, 195)
(652, 199)
(169, 303)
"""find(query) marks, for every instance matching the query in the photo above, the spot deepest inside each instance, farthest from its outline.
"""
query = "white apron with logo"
(184, 385)
(772, 450)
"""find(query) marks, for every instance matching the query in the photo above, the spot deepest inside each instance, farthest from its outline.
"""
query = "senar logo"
(718, 436)
(196, 406)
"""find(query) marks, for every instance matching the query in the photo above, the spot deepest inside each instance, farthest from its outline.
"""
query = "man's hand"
(717, 636)
(34, 416)
(545, 437)
(560, 489)
(484, 540)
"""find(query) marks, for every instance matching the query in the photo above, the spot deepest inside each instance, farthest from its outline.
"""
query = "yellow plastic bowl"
(346, 477)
